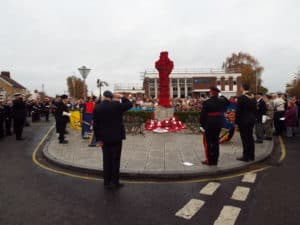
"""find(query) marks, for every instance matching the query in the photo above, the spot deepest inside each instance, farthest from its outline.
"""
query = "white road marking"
(228, 215)
(240, 193)
(190, 209)
(210, 188)
(249, 178)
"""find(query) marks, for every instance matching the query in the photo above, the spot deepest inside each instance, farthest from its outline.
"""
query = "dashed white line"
(190, 209)
(228, 215)
(249, 178)
(240, 193)
(210, 188)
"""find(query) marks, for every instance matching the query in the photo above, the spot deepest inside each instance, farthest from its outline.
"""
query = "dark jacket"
(60, 108)
(18, 109)
(290, 116)
(261, 110)
(246, 111)
(108, 120)
(211, 115)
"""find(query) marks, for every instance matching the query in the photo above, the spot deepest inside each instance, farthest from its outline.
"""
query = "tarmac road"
(30, 195)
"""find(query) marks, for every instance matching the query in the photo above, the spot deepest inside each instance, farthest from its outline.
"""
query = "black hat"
(64, 96)
(108, 94)
(215, 89)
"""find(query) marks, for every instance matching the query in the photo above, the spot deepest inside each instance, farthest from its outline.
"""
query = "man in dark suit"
(211, 122)
(19, 115)
(261, 110)
(61, 115)
(245, 119)
(109, 132)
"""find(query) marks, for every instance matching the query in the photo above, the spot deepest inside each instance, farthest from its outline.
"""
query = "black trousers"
(47, 116)
(8, 126)
(278, 124)
(211, 145)
(246, 133)
(18, 127)
(61, 128)
(111, 162)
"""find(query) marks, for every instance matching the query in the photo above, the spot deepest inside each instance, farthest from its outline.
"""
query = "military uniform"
(212, 122)
(246, 112)
(61, 120)
(46, 109)
(8, 119)
(19, 116)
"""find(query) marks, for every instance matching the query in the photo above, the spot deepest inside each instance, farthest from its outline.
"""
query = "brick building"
(193, 82)
(8, 86)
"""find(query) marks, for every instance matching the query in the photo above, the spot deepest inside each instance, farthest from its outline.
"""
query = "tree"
(76, 87)
(249, 67)
(295, 90)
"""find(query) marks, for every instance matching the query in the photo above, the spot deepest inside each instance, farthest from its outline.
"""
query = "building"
(133, 89)
(193, 82)
(8, 86)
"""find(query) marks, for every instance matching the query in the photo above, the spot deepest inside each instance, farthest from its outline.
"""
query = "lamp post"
(101, 83)
(84, 71)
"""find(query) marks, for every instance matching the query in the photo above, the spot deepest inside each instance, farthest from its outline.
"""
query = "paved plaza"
(167, 155)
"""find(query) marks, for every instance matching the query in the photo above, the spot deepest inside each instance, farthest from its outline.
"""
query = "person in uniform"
(61, 116)
(109, 132)
(19, 115)
(46, 108)
(55, 103)
(261, 110)
(8, 117)
(211, 123)
(246, 112)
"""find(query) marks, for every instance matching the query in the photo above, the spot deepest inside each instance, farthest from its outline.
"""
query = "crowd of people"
(277, 113)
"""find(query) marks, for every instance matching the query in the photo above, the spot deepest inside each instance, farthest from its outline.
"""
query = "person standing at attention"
(211, 122)
(109, 132)
(246, 112)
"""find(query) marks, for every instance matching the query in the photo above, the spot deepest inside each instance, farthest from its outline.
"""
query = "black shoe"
(118, 185)
(63, 142)
(20, 139)
(268, 138)
(108, 186)
(242, 159)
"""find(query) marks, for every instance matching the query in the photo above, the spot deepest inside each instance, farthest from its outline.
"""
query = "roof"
(12, 82)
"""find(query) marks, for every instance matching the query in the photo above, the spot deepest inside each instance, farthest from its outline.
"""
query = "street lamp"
(84, 71)
(101, 83)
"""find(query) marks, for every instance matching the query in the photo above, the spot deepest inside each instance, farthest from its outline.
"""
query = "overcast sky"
(44, 41)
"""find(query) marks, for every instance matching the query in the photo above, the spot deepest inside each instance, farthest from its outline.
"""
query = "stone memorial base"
(163, 113)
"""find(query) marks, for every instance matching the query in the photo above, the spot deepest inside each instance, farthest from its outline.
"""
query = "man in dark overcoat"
(211, 123)
(261, 110)
(246, 112)
(109, 132)
(61, 115)
(19, 116)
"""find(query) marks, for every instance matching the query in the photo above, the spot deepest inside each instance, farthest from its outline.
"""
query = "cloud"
(46, 41)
